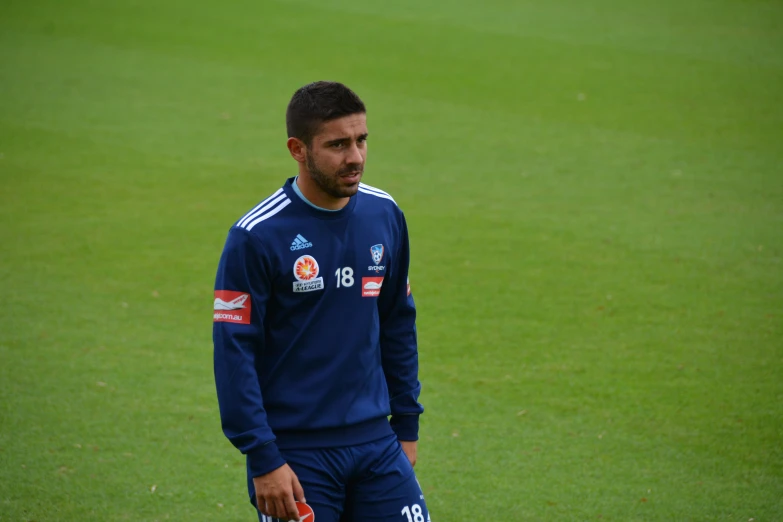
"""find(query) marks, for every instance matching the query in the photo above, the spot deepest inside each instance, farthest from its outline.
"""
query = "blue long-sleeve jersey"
(314, 327)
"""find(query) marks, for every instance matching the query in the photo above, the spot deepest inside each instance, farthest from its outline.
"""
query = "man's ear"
(298, 149)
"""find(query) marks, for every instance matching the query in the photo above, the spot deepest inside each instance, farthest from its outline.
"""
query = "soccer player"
(314, 332)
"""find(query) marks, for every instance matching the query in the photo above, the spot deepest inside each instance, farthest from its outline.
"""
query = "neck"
(315, 195)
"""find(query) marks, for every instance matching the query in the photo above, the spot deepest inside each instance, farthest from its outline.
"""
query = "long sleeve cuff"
(405, 426)
(264, 459)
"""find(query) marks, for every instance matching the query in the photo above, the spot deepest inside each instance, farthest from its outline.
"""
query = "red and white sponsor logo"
(232, 307)
(371, 286)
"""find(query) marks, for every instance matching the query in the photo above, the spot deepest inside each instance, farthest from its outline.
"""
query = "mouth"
(352, 176)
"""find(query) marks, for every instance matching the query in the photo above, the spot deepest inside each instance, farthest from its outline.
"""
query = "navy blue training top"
(314, 327)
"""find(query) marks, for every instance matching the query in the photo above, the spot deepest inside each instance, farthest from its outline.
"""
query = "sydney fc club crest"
(377, 256)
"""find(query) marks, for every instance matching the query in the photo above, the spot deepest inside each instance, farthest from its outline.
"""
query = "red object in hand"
(305, 512)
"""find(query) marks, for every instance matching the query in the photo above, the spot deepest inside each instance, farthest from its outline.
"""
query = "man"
(314, 332)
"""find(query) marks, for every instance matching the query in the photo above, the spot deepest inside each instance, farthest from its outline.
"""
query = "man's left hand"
(409, 447)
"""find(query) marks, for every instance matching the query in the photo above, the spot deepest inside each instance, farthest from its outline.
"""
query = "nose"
(354, 155)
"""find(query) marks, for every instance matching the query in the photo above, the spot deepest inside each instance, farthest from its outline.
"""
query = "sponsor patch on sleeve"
(371, 286)
(232, 307)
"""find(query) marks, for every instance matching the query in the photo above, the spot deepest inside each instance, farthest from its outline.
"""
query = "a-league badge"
(306, 274)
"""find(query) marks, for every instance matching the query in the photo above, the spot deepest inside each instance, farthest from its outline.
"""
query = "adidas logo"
(300, 243)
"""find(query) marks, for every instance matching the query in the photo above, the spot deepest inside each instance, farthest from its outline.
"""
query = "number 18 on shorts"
(414, 513)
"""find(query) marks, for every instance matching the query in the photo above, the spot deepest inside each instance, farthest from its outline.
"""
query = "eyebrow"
(341, 140)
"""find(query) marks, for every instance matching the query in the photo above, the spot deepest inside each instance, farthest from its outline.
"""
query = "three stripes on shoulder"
(265, 210)
(279, 200)
(367, 189)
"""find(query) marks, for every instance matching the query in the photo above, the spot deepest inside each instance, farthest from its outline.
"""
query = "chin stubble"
(329, 184)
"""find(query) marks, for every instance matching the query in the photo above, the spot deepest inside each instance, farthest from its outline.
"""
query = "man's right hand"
(277, 492)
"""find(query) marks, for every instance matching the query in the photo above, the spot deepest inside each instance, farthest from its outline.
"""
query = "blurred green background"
(595, 196)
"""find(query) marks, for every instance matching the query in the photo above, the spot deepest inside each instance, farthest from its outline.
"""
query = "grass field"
(595, 196)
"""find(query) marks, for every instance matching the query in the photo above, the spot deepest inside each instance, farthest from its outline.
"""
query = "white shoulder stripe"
(268, 215)
(374, 189)
(247, 216)
(377, 195)
(262, 207)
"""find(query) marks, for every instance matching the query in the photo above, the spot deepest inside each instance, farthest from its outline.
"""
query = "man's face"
(336, 156)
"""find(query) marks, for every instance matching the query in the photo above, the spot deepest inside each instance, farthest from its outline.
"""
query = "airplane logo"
(232, 307)
(234, 304)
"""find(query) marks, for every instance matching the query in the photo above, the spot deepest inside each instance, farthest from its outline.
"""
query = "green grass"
(595, 196)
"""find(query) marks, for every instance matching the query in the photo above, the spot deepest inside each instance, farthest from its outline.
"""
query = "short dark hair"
(316, 103)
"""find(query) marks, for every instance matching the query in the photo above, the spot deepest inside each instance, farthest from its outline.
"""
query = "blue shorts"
(372, 482)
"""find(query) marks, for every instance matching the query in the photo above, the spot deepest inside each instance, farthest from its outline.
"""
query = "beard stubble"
(330, 183)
